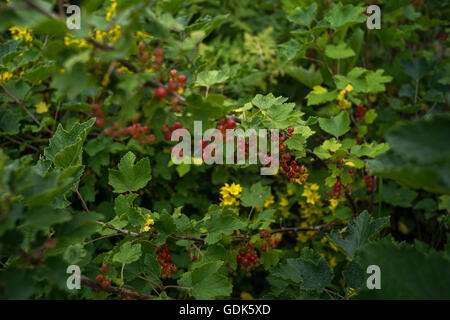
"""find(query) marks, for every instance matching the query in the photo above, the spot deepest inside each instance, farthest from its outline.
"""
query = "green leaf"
(309, 77)
(343, 16)
(406, 272)
(66, 147)
(336, 126)
(130, 176)
(393, 194)
(206, 282)
(339, 51)
(419, 157)
(128, 253)
(265, 102)
(255, 196)
(358, 232)
(210, 78)
(271, 258)
(320, 95)
(372, 150)
(222, 221)
(314, 270)
(304, 16)
(376, 80)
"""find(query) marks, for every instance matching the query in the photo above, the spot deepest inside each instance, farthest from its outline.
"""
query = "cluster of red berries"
(165, 261)
(98, 113)
(292, 169)
(268, 243)
(175, 82)
(370, 183)
(361, 112)
(167, 130)
(247, 259)
(225, 124)
(284, 137)
(102, 279)
(338, 189)
(135, 130)
(158, 58)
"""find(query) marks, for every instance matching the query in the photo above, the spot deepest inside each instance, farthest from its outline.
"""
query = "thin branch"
(103, 237)
(315, 228)
(115, 290)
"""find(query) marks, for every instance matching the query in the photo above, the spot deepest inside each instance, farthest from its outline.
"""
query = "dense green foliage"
(86, 176)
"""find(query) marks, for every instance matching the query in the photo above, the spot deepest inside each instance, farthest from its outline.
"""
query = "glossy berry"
(158, 52)
(160, 93)
(106, 284)
(106, 268)
(99, 279)
(182, 79)
(100, 122)
(177, 125)
(173, 73)
(108, 132)
(173, 87)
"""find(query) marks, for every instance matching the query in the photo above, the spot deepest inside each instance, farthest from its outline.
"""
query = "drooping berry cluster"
(101, 279)
(370, 183)
(247, 259)
(225, 124)
(175, 83)
(339, 190)
(165, 261)
(98, 113)
(158, 58)
(292, 169)
(167, 130)
(135, 130)
(268, 243)
(361, 112)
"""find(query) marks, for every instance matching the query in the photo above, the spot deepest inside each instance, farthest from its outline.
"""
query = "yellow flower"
(114, 33)
(42, 107)
(80, 43)
(311, 194)
(141, 35)
(6, 76)
(230, 194)
(149, 222)
(344, 103)
(21, 33)
(349, 88)
(180, 90)
(284, 202)
(333, 204)
(111, 10)
(269, 201)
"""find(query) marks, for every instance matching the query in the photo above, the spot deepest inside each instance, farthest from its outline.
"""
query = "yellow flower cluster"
(6, 76)
(111, 11)
(283, 207)
(230, 194)
(149, 222)
(21, 33)
(310, 193)
(42, 107)
(141, 35)
(81, 43)
(310, 215)
(343, 102)
(111, 35)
